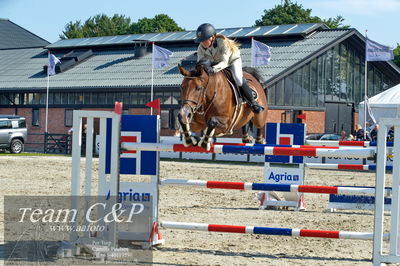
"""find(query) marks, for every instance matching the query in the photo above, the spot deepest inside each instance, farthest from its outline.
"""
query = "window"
(165, 119)
(271, 94)
(86, 98)
(57, 98)
(68, 117)
(35, 117)
(279, 93)
(101, 98)
(64, 98)
(5, 124)
(288, 90)
(313, 83)
(71, 98)
(21, 123)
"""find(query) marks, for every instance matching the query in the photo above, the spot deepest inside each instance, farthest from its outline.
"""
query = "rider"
(223, 52)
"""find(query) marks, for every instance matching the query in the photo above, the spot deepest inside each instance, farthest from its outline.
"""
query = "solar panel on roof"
(189, 35)
(246, 32)
(122, 39)
(228, 32)
(281, 29)
(300, 28)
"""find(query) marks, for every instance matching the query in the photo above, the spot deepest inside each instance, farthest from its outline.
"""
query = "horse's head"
(193, 92)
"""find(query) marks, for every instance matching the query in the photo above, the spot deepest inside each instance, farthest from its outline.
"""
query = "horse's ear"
(183, 71)
(199, 69)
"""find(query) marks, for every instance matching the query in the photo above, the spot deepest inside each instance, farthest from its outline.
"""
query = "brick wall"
(315, 121)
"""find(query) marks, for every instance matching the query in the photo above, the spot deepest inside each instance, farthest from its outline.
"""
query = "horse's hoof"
(194, 140)
(205, 145)
(186, 144)
(260, 141)
(248, 139)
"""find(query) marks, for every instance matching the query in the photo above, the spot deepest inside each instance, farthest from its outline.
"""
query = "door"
(338, 117)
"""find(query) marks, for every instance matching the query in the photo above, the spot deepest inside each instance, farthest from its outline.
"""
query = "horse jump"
(377, 235)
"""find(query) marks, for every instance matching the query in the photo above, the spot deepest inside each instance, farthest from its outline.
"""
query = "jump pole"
(269, 231)
(261, 150)
(269, 187)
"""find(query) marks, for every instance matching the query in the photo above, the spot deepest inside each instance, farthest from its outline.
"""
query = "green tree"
(160, 23)
(396, 53)
(102, 25)
(99, 25)
(293, 13)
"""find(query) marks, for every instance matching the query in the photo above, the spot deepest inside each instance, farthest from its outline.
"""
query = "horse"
(209, 104)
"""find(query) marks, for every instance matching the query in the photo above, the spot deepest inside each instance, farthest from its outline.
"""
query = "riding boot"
(247, 93)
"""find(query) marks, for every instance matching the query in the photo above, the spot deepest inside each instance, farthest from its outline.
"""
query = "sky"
(47, 18)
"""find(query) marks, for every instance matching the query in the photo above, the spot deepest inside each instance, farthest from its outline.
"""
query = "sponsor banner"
(280, 175)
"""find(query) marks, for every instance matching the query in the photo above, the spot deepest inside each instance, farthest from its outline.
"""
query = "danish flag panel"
(284, 134)
(135, 128)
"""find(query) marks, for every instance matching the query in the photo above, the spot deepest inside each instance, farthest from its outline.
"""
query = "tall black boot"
(246, 91)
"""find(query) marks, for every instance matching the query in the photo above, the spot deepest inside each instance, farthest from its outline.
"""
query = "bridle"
(199, 104)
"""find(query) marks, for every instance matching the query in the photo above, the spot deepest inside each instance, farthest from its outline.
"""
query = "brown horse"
(209, 104)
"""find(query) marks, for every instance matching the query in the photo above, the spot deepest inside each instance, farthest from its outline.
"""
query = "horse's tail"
(255, 73)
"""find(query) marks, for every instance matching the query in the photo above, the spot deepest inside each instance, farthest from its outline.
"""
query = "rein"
(198, 102)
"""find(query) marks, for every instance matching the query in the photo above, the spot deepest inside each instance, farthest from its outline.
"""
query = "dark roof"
(118, 68)
(13, 36)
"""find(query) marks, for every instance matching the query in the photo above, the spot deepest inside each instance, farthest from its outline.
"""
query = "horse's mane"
(255, 73)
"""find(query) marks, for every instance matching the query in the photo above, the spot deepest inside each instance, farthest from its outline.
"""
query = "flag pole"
(365, 87)
(152, 79)
(47, 100)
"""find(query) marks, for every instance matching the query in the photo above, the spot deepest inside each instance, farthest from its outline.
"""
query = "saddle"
(235, 88)
(240, 101)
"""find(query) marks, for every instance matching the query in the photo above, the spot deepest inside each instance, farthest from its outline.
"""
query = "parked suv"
(13, 133)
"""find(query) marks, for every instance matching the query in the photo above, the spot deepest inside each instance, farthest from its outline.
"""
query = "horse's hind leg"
(246, 138)
(260, 139)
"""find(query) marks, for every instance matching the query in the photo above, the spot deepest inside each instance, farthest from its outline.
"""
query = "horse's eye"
(199, 88)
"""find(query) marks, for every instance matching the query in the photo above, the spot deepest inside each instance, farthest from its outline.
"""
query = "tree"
(396, 53)
(293, 13)
(160, 23)
(99, 25)
(102, 25)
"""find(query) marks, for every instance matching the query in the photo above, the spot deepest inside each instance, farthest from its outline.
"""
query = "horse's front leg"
(260, 139)
(246, 138)
(188, 138)
(206, 140)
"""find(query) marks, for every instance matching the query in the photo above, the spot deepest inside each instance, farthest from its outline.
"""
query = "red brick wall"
(315, 121)
(355, 121)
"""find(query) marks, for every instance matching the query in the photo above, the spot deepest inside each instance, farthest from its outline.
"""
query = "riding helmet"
(204, 31)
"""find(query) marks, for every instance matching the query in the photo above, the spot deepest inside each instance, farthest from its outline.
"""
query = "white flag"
(160, 56)
(51, 66)
(370, 116)
(377, 52)
(260, 53)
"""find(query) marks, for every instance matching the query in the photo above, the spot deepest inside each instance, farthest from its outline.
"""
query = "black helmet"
(204, 31)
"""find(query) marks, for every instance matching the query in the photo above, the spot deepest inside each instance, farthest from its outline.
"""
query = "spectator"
(359, 133)
(373, 135)
(343, 135)
(390, 135)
